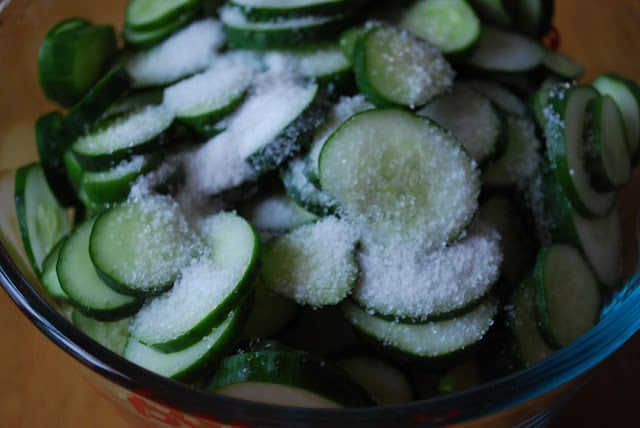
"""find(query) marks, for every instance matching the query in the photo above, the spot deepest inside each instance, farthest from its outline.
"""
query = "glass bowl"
(602, 39)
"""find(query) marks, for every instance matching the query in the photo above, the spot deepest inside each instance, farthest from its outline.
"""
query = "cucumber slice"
(41, 219)
(383, 380)
(626, 93)
(282, 33)
(313, 264)
(188, 51)
(451, 25)
(49, 276)
(140, 246)
(303, 191)
(429, 341)
(204, 99)
(210, 287)
(195, 361)
(539, 101)
(151, 14)
(562, 65)
(51, 147)
(493, 11)
(531, 17)
(120, 138)
(505, 51)
(520, 161)
(606, 148)
(429, 286)
(530, 346)
(73, 57)
(147, 39)
(567, 295)
(290, 378)
(110, 334)
(395, 67)
(472, 118)
(261, 10)
(501, 96)
(383, 166)
(565, 148)
(79, 280)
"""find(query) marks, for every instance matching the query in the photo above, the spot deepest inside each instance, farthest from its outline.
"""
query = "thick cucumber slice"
(79, 280)
(395, 67)
(313, 264)
(429, 341)
(383, 166)
(567, 295)
(51, 147)
(606, 148)
(151, 14)
(210, 287)
(111, 334)
(383, 380)
(505, 51)
(195, 361)
(282, 33)
(562, 65)
(530, 346)
(539, 101)
(188, 51)
(49, 277)
(41, 219)
(303, 191)
(626, 93)
(472, 118)
(204, 99)
(565, 148)
(429, 286)
(73, 57)
(291, 378)
(147, 39)
(140, 246)
(117, 140)
(520, 161)
(114, 184)
(261, 10)
(452, 26)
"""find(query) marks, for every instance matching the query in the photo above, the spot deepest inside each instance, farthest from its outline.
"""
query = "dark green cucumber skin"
(300, 132)
(205, 123)
(311, 203)
(291, 368)
(189, 8)
(51, 146)
(58, 51)
(137, 39)
(540, 299)
(557, 211)
(346, 7)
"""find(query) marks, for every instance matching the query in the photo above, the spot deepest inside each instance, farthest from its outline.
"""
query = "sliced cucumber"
(73, 57)
(626, 93)
(111, 334)
(188, 51)
(274, 9)
(204, 99)
(303, 191)
(562, 65)
(139, 40)
(531, 17)
(530, 346)
(140, 246)
(49, 276)
(120, 138)
(493, 11)
(290, 378)
(501, 96)
(41, 219)
(151, 14)
(383, 380)
(79, 280)
(567, 295)
(195, 361)
(313, 264)
(472, 118)
(383, 166)
(452, 26)
(606, 148)
(429, 286)
(210, 287)
(433, 340)
(395, 67)
(282, 33)
(565, 148)
(505, 51)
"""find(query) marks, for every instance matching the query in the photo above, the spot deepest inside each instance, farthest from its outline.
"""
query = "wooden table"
(40, 386)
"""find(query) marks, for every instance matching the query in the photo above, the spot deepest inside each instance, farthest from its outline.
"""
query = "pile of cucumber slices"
(317, 202)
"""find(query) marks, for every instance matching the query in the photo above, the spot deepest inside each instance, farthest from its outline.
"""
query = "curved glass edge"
(619, 322)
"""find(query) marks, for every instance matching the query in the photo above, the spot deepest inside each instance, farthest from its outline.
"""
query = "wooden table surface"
(40, 386)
